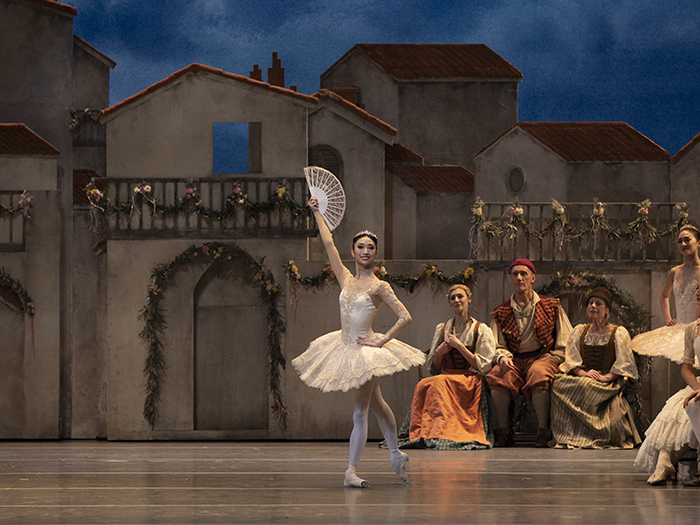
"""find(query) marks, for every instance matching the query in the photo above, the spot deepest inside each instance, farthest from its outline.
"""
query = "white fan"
(327, 189)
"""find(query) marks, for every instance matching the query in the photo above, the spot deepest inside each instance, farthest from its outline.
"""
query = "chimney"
(348, 93)
(275, 74)
(256, 74)
(293, 87)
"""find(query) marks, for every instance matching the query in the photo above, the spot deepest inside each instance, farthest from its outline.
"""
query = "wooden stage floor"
(96, 482)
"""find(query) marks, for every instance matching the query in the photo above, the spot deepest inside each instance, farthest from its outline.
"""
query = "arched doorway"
(230, 353)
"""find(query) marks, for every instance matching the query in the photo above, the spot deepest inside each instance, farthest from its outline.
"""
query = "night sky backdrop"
(635, 61)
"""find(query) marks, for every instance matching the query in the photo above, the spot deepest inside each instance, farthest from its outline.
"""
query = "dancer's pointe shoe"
(398, 463)
(662, 474)
(353, 480)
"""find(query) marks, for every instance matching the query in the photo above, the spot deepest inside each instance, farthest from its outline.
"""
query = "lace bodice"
(358, 308)
(685, 301)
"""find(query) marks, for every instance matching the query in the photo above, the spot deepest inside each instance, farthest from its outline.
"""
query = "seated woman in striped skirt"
(589, 408)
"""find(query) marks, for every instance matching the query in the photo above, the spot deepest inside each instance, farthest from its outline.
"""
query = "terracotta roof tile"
(63, 8)
(18, 139)
(329, 95)
(404, 61)
(81, 178)
(592, 141)
(196, 69)
(398, 153)
(685, 149)
(435, 179)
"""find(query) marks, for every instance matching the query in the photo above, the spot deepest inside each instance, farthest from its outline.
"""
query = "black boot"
(544, 436)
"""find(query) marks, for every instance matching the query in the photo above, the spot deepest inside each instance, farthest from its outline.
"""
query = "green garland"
(191, 202)
(633, 316)
(430, 275)
(154, 318)
(558, 227)
(24, 204)
(6, 281)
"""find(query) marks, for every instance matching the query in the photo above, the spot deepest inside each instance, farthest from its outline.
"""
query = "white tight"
(367, 397)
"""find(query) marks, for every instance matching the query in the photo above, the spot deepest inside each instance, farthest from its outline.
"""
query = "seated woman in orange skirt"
(450, 409)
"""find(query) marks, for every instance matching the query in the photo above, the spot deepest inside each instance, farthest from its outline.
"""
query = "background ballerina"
(670, 435)
(355, 356)
(668, 341)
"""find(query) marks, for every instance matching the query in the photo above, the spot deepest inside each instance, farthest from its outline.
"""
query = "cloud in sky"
(581, 59)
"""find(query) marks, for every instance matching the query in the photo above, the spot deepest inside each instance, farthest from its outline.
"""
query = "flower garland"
(633, 316)
(24, 204)
(79, 116)
(153, 316)
(26, 304)
(191, 202)
(430, 275)
(639, 229)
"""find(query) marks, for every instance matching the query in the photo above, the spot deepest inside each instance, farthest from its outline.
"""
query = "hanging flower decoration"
(24, 205)
(80, 116)
(191, 202)
(153, 316)
(142, 193)
(430, 275)
(598, 208)
(640, 229)
(25, 302)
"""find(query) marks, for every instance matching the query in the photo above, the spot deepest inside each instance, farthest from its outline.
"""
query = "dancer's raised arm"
(341, 272)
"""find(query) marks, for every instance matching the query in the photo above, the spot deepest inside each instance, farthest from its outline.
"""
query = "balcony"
(623, 234)
(212, 208)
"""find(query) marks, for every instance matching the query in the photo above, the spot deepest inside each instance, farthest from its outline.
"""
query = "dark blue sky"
(636, 61)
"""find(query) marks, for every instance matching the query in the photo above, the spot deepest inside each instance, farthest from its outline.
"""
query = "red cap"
(523, 262)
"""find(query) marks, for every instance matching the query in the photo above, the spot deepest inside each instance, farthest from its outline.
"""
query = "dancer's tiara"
(366, 233)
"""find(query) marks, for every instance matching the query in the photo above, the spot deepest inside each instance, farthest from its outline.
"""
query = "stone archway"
(230, 367)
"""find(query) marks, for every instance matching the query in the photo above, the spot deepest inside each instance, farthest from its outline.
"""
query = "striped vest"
(545, 323)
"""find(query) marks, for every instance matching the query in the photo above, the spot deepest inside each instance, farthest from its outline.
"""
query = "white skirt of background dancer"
(673, 427)
(668, 341)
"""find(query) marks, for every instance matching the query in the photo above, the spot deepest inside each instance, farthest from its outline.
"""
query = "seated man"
(531, 333)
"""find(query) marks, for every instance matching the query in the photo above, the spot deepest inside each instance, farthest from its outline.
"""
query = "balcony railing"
(267, 216)
(12, 225)
(574, 245)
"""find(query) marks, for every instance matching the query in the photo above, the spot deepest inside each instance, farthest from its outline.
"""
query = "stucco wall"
(37, 362)
(443, 225)
(28, 173)
(448, 122)
(169, 133)
(363, 175)
(685, 175)
(548, 176)
(377, 90)
(404, 211)
(545, 173)
(129, 266)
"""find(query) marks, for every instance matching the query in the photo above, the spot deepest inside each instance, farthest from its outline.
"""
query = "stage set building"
(414, 132)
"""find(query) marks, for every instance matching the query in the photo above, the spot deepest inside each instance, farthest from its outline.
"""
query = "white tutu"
(670, 430)
(329, 364)
(667, 341)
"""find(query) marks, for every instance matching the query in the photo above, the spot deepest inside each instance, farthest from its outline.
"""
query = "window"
(237, 147)
(516, 180)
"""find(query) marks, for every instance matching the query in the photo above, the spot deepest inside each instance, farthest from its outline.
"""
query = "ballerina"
(671, 435)
(683, 280)
(354, 357)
